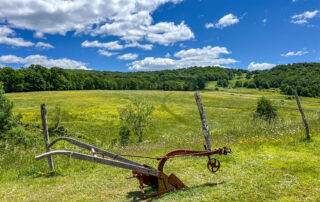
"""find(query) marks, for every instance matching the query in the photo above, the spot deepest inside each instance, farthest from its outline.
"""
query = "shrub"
(7, 119)
(251, 84)
(265, 109)
(136, 117)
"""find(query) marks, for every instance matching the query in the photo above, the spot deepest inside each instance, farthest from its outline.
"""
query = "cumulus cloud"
(304, 17)
(7, 37)
(291, 53)
(225, 21)
(260, 66)
(44, 61)
(106, 53)
(42, 45)
(113, 45)
(128, 19)
(206, 56)
(138, 45)
(168, 33)
(128, 56)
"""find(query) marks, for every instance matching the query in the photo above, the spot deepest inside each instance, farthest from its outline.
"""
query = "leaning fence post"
(46, 133)
(205, 127)
(302, 114)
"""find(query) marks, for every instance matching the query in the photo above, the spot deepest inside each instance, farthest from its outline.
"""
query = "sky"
(149, 35)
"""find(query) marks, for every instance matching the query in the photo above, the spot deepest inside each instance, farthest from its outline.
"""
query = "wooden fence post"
(205, 127)
(302, 114)
(46, 134)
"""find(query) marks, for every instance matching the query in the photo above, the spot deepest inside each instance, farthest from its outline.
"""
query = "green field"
(270, 161)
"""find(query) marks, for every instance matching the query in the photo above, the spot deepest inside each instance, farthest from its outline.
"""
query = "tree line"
(39, 78)
(304, 77)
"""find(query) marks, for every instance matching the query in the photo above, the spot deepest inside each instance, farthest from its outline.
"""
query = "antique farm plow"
(146, 175)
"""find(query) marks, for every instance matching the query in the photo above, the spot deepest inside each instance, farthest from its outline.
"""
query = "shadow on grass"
(137, 195)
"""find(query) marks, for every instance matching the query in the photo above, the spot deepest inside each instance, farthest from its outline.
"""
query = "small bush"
(136, 117)
(265, 109)
(7, 119)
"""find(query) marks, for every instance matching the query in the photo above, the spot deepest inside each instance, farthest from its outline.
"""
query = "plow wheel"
(213, 165)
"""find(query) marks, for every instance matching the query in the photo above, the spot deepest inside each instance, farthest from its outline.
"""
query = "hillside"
(305, 77)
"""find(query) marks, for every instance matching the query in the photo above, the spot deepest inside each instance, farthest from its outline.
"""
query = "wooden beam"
(148, 171)
(302, 114)
(46, 134)
(205, 127)
(90, 147)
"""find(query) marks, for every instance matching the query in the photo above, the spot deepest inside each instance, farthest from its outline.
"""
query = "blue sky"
(135, 35)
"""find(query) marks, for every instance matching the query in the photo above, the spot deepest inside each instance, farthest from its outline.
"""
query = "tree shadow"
(137, 195)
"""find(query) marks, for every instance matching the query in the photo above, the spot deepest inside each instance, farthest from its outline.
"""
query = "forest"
(39, 78)
(304, 77)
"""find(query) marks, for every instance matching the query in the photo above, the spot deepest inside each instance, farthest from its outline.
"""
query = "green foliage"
(18, 136)
(38, 78)
(301, 76)
(265, 109)
(251, 84)
(238, 84)
(223, 83)
(7, 119)
(124, 133)
(136, 117)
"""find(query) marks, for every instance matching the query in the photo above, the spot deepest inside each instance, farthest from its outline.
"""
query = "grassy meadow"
(270, 161)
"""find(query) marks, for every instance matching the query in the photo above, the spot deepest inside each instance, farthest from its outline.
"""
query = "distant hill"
(305, 77)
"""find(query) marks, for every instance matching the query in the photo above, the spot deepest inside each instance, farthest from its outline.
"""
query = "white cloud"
(39, 35)
(113, 45)
(42, 45)
(293, 1)
(168, 33)
(128, 56)
(44, 61)
(106, 53)
(6, 37)
(138, 45)
(260, 66)
(225, 21)
(291, 53)
(168, 55)
(304, 17)
(209, 25)
(130, 20)
(265, 20)
(206, 56)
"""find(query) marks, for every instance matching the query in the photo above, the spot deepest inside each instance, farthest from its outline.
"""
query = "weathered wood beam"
(85, 157)
(205, 127)
(46, 134)
(90, 147)
(302, 114)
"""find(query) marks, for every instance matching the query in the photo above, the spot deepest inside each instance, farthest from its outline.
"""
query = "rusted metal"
(146, 175)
